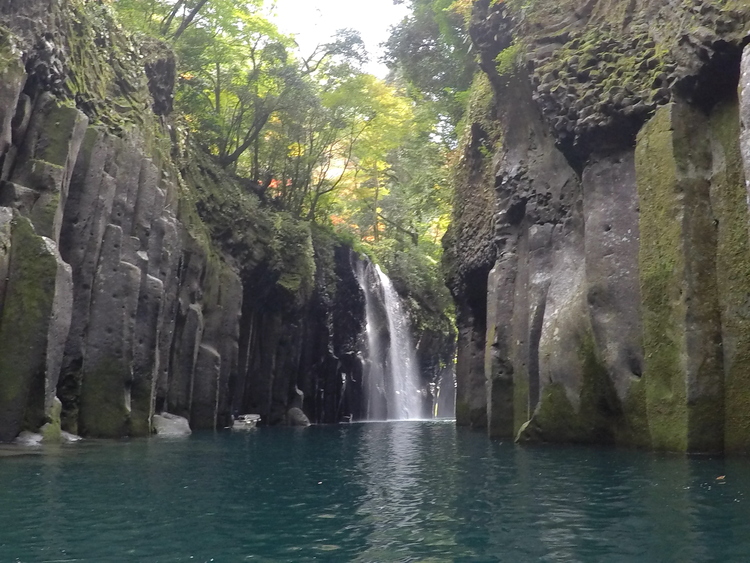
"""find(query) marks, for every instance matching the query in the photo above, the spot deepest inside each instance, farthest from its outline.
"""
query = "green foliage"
(237, 72)
(429, 51)
(337, 142)
(508, 60)
(324, 142)
(292, 256)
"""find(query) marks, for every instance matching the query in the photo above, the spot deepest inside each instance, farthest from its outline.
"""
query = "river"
(411, 491)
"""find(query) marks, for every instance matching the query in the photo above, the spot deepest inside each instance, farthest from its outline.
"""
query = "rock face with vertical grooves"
(136, 277)
(33, 327)
(604, 299)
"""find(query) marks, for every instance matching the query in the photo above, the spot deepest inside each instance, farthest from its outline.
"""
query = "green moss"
(598, 417)
(635, 430)
(607, 66)
(44, 213)
(103, 411)
(23, 329)
(54, 144)
(141, 412)
(470, 234)
(482, 111)
(728, 201)
(600, 411)
(555, 419)
(509, 60)
(10, 54)
(661, 264)
(678, 259)
(52, 431)
(222, 215)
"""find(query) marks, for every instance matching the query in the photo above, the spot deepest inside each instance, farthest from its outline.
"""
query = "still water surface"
(383, 492)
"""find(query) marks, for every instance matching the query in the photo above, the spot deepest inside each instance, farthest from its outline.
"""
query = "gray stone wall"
(616, 305)
(136, 278)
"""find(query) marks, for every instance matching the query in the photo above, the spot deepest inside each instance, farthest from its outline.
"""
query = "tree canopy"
(315, 134)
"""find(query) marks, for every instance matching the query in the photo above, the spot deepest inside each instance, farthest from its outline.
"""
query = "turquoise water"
(400, 491)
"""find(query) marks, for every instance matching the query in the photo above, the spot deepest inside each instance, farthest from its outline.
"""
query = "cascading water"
(391, 379)
(402, 355)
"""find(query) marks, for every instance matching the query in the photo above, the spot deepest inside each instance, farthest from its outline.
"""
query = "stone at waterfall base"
(295, 417)
(27, 438)
(171, 425)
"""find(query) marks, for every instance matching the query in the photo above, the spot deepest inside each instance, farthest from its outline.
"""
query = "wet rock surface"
(136, 277)
(603, 302)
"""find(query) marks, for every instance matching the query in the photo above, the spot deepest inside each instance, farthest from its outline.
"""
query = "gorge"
(597, 256)
(140, 277)
(535, 230)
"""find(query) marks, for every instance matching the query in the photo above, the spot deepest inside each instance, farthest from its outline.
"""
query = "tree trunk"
(188, 20)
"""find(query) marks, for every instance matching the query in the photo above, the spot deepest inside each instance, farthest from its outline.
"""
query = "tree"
(316, 136)
(430, 51)
(324, 140)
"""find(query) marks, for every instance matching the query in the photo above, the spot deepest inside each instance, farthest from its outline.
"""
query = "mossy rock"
(293, 256)
(52, 431)
(595, 420)
(24, 324)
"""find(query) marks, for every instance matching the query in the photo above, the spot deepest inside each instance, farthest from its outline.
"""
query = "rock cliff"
(599, 252)
(135, 276)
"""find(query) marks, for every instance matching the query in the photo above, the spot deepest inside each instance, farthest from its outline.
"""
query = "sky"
(315, 21)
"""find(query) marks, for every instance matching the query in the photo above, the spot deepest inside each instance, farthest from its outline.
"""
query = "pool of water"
(383, 492)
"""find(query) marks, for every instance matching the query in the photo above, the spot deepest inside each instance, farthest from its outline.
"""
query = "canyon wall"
(599, 253)
(136, 277)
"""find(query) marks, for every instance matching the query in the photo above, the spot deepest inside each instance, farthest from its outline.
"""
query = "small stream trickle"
(391, 377)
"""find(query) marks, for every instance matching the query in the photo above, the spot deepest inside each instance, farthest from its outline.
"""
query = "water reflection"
(381, 492)
(408, 493)
(499, 502)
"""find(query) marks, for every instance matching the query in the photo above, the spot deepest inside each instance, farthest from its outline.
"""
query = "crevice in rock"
(717, 78)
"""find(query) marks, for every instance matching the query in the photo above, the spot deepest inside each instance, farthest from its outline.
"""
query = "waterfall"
(391, 379)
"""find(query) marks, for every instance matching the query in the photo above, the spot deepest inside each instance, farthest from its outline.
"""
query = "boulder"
(170, 425)
(295, 417)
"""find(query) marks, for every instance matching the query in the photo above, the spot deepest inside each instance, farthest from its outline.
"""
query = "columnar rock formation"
(599, 254)
(135, 277)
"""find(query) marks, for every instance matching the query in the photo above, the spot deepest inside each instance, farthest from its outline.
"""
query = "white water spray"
(391, 374)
